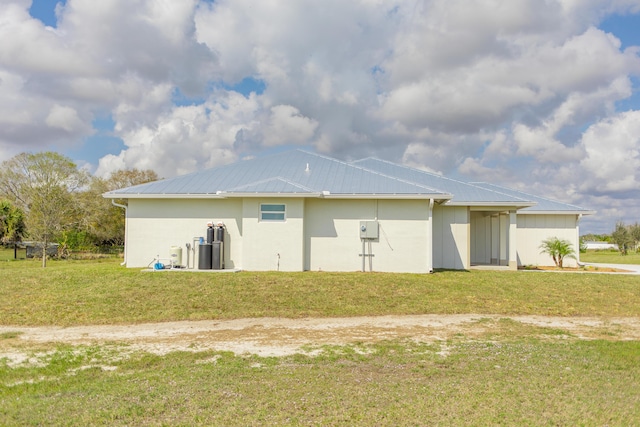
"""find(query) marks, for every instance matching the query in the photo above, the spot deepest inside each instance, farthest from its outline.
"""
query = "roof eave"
(443, 197)
(568, 212)
(323, 194)
(515, 205)
(163, 196)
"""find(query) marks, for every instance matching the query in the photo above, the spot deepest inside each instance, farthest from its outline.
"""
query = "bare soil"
(280, 337)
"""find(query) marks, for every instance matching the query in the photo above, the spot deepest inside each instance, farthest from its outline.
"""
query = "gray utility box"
(369, 229)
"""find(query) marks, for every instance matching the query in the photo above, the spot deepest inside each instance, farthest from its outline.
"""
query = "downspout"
(126, 229)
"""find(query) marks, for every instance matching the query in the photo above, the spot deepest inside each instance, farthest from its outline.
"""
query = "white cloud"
(612, 163)
(493, 90)
(288, 126)
(65, 118)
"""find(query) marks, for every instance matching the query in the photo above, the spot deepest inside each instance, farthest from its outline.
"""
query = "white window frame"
(273, 212)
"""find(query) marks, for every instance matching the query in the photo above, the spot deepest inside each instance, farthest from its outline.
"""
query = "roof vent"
(307, 169)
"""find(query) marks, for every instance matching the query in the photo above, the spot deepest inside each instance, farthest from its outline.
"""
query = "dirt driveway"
(278, 337)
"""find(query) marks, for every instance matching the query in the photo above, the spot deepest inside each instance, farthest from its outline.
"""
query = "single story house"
(297, 211)
(599, 246)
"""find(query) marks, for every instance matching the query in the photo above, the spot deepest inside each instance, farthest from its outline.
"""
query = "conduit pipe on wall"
(125, 207)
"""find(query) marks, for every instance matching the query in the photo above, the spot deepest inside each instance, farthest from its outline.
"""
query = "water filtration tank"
(210, 234)
(204, 256)
(219, 234)
(175, 254)
(217, 255)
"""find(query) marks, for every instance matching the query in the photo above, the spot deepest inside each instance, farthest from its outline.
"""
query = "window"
(272, 212)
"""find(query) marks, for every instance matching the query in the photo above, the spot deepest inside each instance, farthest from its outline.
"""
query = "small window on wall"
(272, 212)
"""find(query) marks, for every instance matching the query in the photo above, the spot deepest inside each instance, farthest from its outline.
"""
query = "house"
(599, 246)
(297, 211)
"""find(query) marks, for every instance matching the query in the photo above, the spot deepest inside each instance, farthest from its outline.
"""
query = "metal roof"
(298, 173)
(543, 204)
(463, 193)
(290, 173)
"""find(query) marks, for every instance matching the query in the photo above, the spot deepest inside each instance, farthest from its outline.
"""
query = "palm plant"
(558, 249)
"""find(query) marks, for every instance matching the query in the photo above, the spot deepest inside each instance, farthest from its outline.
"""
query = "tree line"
(46, 198)
(625, 236)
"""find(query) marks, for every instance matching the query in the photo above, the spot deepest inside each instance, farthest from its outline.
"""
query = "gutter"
(125, 207)
(323, 194)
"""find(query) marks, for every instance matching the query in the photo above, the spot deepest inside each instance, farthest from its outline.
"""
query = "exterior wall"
(153, 226)
(533, 229)
(451, 237)
(273, 245)
(332, 235)
(323, 234)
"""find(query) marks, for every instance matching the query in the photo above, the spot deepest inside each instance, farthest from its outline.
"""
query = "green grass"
(610, 257)
(511, 374)
(523, 381)
(8, 254)
(101, 292)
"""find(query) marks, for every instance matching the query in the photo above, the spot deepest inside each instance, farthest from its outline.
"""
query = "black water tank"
(217, 255)
(204, 256)
(210, 234)
(219, 236)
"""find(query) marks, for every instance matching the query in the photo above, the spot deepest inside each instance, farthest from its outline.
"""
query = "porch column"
(430, 237)
(513, 229)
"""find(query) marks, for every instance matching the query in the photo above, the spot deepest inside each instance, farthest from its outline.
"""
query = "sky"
(538, 95)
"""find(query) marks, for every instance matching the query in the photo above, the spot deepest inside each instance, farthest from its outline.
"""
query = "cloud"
(612, 161)
(523, 92)
(288, 126)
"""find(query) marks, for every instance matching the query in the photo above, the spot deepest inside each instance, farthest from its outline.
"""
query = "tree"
(558, 249)
(623, 237)
(635, 234)
(102, 220)
(42, 185)
(12, 225)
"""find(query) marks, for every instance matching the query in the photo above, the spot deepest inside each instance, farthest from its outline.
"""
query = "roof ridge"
(274, 178)
(415, 184)
(350, 164)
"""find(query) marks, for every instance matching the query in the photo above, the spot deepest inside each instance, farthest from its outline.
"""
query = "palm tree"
(558, 249)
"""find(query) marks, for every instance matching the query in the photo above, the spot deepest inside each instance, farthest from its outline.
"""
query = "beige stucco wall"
(323, 234)
(533, 229)
(451, 237)
(273, 245)
(153, 226)
(318, 234)
(332, 235)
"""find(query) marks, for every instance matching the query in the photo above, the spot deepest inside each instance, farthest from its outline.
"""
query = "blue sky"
(531, 95)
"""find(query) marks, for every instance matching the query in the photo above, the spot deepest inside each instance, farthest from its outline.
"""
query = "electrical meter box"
(368, 229)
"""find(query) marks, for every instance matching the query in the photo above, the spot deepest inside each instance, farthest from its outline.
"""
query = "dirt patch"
(279, 337)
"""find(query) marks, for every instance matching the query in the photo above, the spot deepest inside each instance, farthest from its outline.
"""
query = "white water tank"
(175, 254)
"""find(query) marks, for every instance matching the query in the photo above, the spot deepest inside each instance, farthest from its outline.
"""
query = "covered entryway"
(493, 238)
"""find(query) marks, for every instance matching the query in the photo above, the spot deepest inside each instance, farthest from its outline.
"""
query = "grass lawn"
(524, 381)
(521, 375)
(101, 292)
(8, 254)
(610, 257)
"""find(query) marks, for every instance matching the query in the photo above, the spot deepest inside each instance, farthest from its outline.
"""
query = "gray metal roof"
(299, 173)
(463, 193)
(292, 173)
(542, 204)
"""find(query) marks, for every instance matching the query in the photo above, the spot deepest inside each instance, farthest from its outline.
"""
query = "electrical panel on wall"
(368, 229)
